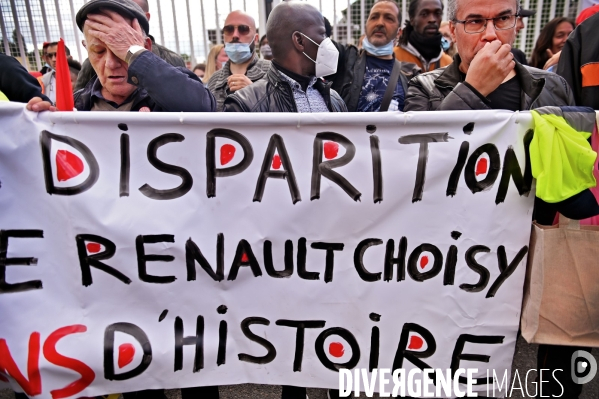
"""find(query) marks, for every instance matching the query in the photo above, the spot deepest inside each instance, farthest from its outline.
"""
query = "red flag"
(64, 88)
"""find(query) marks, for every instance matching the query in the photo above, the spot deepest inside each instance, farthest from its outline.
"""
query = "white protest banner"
(142, 251)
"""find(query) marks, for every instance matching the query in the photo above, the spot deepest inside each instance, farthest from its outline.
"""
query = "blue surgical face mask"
(386, 49)
(239, 52)
(445, 43)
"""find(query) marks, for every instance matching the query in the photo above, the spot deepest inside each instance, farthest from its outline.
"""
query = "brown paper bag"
(561, 292)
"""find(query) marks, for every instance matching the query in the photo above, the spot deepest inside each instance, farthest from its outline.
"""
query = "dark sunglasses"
(230, 29)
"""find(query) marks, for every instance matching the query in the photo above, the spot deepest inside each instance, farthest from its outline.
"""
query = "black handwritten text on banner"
(146, 251)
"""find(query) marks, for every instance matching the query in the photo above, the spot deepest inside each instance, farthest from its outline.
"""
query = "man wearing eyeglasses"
(50, 54)
(244, 66)
(48, 80)
(46, 68)
(302, 55)
(484, 74)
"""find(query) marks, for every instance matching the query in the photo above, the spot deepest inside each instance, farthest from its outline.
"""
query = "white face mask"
(326, 57)
(265, 51)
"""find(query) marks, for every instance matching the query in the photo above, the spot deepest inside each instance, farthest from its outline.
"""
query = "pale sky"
(73, 37)
(330, 9)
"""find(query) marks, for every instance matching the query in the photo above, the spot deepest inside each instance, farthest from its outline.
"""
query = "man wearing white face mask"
(302, 54)
(374, 81)
(244, 67)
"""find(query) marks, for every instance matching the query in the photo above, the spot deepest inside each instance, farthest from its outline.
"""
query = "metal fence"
(191, 27)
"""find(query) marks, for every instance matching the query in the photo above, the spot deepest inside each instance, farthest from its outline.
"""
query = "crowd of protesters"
(467, 63)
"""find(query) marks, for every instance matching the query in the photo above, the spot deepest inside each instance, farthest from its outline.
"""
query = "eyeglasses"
(478, 25)
(230, 29)
(50, 55)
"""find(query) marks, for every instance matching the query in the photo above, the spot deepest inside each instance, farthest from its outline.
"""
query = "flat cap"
(527, 13)
(126, 8)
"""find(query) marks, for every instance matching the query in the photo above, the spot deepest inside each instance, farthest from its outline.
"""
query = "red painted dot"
(482, 166)
(126, 354)
(276, 162)
(331, 149)
(227, 152)
(336, 349)
(415, 343)
(93, 247)
(68, 165)
(244, 258)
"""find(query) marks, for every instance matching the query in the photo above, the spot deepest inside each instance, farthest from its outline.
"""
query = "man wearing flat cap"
(87, 73)
(129, 76)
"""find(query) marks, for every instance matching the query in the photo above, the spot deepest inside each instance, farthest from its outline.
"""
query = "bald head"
(236, 29)
(288, 17)
(239, 17)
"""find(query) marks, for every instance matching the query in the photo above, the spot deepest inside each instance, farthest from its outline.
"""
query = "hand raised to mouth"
(490, 66)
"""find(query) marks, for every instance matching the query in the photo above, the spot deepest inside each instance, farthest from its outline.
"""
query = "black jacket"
(443, 90)
(16, 83)
(348, 55)
(274, 94)
(579, 63)
(519, 56)
(161, 88)
(348, 81)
